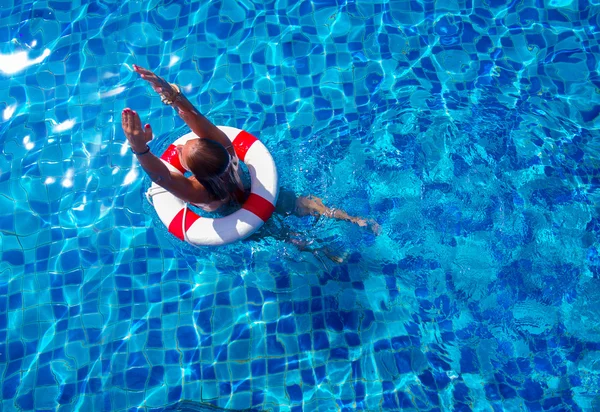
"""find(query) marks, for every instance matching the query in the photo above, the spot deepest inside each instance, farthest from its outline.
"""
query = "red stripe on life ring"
(242, 144)
(175, 225)
(260, 206)
(172, 157)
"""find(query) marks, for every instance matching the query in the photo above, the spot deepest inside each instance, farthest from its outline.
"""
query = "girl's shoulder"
(199, 193)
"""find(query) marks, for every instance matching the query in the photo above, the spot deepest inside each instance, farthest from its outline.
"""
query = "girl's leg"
(305, 246)
(282, 232)
(312, 205)
(286, 205)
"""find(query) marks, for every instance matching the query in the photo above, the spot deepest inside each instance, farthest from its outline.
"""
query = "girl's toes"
(375, 227)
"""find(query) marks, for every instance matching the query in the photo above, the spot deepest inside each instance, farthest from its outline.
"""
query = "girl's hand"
(159, 84)
(132, 126)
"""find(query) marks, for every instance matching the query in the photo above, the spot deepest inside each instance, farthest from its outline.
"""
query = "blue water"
(467, 129)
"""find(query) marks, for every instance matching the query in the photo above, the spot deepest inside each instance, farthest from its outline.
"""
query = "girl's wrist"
(140, 150)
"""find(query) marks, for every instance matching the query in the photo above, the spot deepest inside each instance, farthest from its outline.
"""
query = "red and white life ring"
(258, 208)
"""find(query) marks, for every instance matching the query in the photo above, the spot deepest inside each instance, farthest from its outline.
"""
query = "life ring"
(256, 210)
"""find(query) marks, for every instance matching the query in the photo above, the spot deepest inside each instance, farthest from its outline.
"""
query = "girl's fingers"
(148, 132)
(141, 71)
(150, 78)
(137, 123)
(139, 68)
(131, 118)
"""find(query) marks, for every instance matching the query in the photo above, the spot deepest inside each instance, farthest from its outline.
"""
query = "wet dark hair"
(208, 160)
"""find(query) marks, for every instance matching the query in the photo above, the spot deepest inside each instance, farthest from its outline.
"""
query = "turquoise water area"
(467, 129)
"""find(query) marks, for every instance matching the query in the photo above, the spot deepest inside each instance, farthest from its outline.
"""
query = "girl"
(214, 165)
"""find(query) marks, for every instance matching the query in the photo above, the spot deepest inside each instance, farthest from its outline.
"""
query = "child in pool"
(214, 165)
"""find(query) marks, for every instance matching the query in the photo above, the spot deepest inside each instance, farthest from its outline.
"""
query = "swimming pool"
(468, 130)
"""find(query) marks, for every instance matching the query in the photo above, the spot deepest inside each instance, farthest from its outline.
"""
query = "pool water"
(467, 129)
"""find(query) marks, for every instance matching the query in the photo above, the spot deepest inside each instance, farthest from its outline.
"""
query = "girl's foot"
(370, 223)
(333, 257)
(305, 246)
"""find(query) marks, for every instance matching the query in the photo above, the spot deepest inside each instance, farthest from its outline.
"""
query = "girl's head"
(208, 161)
